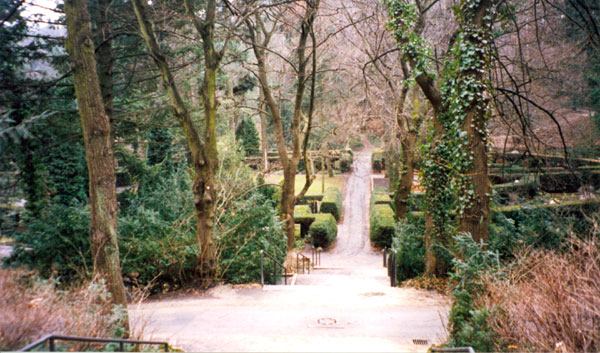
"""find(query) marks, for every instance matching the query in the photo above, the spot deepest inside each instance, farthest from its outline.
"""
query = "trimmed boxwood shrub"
(377, 160)
(382, 226)
(346, 159)
(303, 216)
(332, 202)
(323, 230)
(381, 199)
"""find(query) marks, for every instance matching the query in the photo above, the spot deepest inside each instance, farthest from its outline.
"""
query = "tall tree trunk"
(475, 217)
(98, 149)
(406, 26)
(104, 57)
(206, 187)
(408, 143)
(264, 146)
(203, 157)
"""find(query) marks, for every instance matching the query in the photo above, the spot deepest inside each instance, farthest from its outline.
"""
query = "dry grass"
(32, 308)
(550, 301)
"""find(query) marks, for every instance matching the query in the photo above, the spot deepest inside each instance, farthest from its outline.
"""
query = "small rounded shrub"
(332, 202)
(323, 230)
(346, 159)
(377, 160)
(382, 226)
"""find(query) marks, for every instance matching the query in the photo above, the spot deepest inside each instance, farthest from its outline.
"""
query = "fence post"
(262, 269)
(384, 254)
(392, 264)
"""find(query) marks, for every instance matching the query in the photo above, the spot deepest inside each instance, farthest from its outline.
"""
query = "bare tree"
(204, 155)
(260, 37)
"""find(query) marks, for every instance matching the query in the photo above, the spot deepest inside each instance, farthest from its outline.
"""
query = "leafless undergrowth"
(550, 301)
(32, 307)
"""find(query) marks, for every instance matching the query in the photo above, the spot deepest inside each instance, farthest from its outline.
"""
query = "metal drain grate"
(420, 342)
(327, 321)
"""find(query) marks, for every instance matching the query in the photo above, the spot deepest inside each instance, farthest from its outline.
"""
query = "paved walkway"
(347, 305)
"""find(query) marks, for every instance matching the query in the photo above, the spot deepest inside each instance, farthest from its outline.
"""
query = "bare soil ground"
(345, 305)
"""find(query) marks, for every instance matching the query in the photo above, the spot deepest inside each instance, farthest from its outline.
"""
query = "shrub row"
(332, 202)
(303, 215)
(382, 226)
(345, 161)
(381, 199)
(377, 160)
(323, 230)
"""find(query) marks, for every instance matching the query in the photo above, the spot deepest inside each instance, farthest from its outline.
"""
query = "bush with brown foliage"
(549, 300)
(32, 308)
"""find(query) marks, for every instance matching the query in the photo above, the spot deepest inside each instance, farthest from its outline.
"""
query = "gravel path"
(347, 305)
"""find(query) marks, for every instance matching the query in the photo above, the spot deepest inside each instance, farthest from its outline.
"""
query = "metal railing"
(276, 265)
(305, 262)
(390, 260)
(316, 256)
(51, 339)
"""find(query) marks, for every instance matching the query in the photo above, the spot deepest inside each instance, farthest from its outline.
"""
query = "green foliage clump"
(535, 227)
(160, 146)
(469, 325)
(247, 135)
(409, 245)
(57, 243)
(157, 238)
(382, 225)
(377, 160)
(323, 230)
(249, 226)
(346, 159)
(332, 202)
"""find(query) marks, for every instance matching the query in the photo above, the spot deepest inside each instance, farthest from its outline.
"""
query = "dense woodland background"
(494, 104)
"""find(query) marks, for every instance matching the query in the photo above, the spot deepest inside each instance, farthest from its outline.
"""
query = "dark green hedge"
(377, 161)
(382, 226)
(332, 202)
(381, 199)
(346, 159)
(323, 230)
(303, 214)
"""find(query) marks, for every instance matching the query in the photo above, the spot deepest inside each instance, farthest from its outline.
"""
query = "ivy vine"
(447, 156)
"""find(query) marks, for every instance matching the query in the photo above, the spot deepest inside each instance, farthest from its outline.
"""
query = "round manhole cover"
(326, 321)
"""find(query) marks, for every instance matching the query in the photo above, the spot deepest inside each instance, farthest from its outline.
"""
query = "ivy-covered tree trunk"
(98, 147)
(476, 36)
